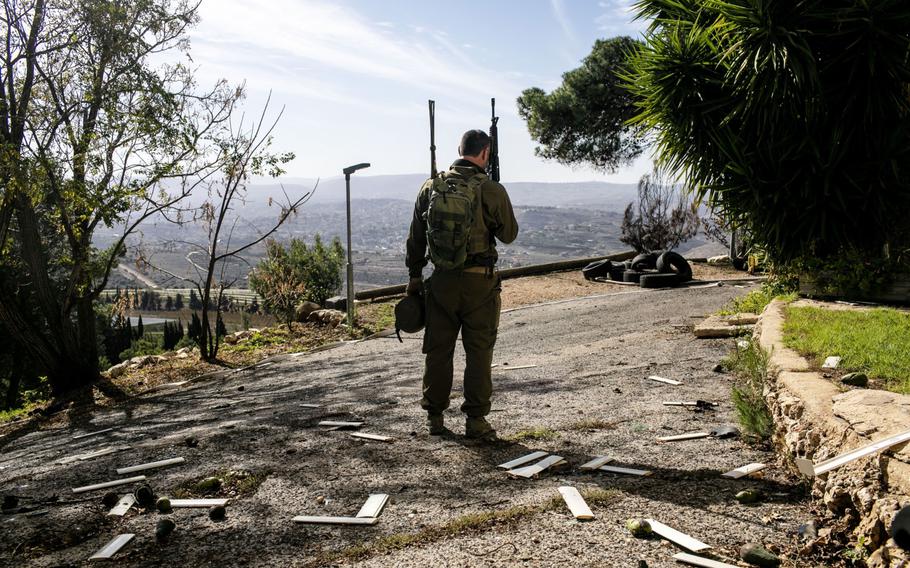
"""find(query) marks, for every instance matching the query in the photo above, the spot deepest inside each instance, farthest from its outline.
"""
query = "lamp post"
(347, 183)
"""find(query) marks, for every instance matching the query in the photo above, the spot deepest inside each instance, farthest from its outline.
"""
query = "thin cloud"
(617, 18)
(559, 10)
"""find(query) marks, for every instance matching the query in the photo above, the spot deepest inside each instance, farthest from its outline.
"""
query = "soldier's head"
(475, 147)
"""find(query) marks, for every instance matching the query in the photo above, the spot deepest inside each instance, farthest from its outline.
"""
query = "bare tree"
(661, 219)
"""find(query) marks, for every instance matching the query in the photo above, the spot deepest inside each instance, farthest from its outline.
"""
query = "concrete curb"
(815, 419)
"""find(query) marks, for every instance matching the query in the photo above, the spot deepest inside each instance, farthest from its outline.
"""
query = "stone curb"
(815, 419)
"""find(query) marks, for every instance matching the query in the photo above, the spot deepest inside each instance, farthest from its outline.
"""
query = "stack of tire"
(657, 269)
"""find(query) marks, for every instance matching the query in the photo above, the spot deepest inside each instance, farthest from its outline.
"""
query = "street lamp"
(347, 183)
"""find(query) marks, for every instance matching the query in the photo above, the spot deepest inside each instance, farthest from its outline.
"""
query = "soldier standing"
(458, 216)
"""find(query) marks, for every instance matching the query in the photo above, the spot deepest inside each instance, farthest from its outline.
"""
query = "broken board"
(107, 484)
(576, 503)
(807, 467)
(831, 362)
(150, 465)
(522, 460)
(122, 506)
(373, 506)
(744, 470)
(336, 424)
(516, 367)
(336, 520)
(111, 548)
(532, 470)
(373, 437)
(701, 561)
(81, 436)
(308, 405)
(677, 537)
(595, 463)
(680, 437)
(197, 503)
(88, 456)
(688, 403)
(625, 470)
(663, 380)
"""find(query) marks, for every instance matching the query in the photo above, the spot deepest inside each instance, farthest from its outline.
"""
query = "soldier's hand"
(415, 286)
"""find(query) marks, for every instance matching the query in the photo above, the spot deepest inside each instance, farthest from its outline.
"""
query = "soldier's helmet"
(409, 314)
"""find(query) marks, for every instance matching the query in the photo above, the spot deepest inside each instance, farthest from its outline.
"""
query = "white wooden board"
(812, 469)
(336, 424)
(663, 380)
(373, 437)
(677, 537)
(687, 436)
(122, 506)
(516, 367)
(198, 503)
(373, 506)
(576, 503)
(309, 405)
(522, 460)
(693, 560)
(745, 470)
(112, 547)
(80, 436)
(595, 463)
(88, 456)
(107, 484)
(686, 403)
(336, 520)
(150, 465)
(532, 470)
(625, 470)
(831, 362)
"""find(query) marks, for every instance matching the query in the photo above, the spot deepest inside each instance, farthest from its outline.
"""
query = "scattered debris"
(640, 528)
(806, 467)
(831, 362)
(111, 548)
(757, 555)
(808, 531)
(745, 470)
(107, 484)
(595, 463)
(90, 455)
(576, 503)
(677, 537)
(373, 506)
(81, 436)
(522, 460)
(680, 437)
(336, 520)
(696, 405)
(217, 513)
(724, 326)
(164, 528)
(163, 505)
(150, 465)
(748, 496)
(374, 437)
(516, 367)
(701, 561)
(532, 470)
(145, 496)
(855, 380)
(209, 485)
(742, 344)
(197, 503)
(625, 470)
(723, 432)
(122, 506)
(719, 368)
(663, 380)
(110, 499)
(310, 405)
(336, 424)
(191, 442)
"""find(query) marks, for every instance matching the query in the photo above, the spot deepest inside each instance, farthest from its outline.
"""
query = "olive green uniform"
(465, 299)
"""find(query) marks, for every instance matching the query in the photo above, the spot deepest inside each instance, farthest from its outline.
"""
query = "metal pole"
(347, 184)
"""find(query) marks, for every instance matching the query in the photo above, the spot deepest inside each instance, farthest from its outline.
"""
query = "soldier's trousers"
(469, 302)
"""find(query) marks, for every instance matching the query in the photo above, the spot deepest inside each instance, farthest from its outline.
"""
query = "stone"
(720, 260)
(337, 303)
(855, 380)
(118, 370)
(329, 317)
(748, 496)
(230, 339)
(217, 513)
(718, 368)
(808, 531)
(191, 442)
(304, 309)
(182, 356)
(757, 555)
(164, 528)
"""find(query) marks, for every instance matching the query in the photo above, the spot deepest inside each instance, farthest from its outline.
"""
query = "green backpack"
(454, 218)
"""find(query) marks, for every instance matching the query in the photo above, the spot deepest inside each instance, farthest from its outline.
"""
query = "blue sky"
(354, 76)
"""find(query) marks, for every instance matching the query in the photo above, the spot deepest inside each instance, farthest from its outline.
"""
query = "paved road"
(588, 389)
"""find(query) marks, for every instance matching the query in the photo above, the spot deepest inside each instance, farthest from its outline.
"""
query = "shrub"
(662, 219)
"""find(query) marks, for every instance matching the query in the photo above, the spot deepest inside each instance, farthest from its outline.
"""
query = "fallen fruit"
(217, 513)
(164, 528)
(163, 505)
(639, 528)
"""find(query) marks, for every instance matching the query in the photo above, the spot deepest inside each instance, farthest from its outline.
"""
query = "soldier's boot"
(479, 429)
(435, 425)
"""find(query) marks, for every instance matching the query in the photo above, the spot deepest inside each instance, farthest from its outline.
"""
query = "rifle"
(493, 164)
(432, 105)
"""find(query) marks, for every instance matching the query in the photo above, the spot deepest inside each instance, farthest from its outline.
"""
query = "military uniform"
(465, 299)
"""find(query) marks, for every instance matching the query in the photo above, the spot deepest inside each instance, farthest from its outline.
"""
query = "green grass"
(536, 433)
(12, 414)
(266, 338)
(592, 424)
(750, 367)
(874, 341)
(754, 302)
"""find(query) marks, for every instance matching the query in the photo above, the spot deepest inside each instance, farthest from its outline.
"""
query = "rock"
(720, 260)
(329, 317)
(855, 380)
(756, 555)
(164, 528)
(230, 339)
(640, 528)
(209, 485)
(191, 442)
(241, 388)
(808, 531)
(145, 497)
(183, 350)
(109, 500)
(748, 496)
(217, 513)
(163, 505)
(117, 370)
(304, 309)
(182, 356)
(159, 359)
(337, 303)
(718, 368)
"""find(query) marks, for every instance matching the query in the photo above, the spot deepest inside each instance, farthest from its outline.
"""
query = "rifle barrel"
(432, 105)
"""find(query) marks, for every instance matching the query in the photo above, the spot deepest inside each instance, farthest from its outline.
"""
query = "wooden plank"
(150, 465)
(745, 470)
(81, 436)
(516, 367)
(107, 484)
(686, 403)
(576, 503)
(701, 561)
(309, 405)
(677, 537)
(532, 470)
(336, 520)
(522, 460)
(336, 424)
(89, 455)
(197, 503)
(111, 548)
(663, 380)
(687, 436)
(831, 362)
(595, 463)
(122, 506)
(625, 470)
(843, 459)
(373, 506)
(373, 437)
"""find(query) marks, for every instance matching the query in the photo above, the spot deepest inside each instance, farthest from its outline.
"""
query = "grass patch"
(754, 302)
(750, 367)
(536, 433)
(874, 341)
(234, 483)
(592, 424)
(376, 317)
(16, 413)
(268, 337)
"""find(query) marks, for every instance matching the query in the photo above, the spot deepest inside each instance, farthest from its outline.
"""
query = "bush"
(662, 219)
(147, 345)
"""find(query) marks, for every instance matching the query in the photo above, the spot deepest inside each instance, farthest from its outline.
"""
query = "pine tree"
(178, 302)
(140, 331)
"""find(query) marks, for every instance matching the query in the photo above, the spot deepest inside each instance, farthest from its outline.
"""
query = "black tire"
(598, 269)
(631, 276)
(644, 260)
(659, 280)
(617, 272)
(673, 263)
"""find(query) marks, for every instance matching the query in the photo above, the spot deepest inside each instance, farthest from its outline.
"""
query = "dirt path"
(450, 505)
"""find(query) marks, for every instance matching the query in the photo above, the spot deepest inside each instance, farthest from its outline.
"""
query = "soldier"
(458, 216)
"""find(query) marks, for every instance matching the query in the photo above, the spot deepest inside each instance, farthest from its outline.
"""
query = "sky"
(354, 76)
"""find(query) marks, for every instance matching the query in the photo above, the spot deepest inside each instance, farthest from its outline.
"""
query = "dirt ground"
(449, 504)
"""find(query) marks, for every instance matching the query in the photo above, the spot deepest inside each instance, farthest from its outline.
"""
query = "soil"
(587, 394)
